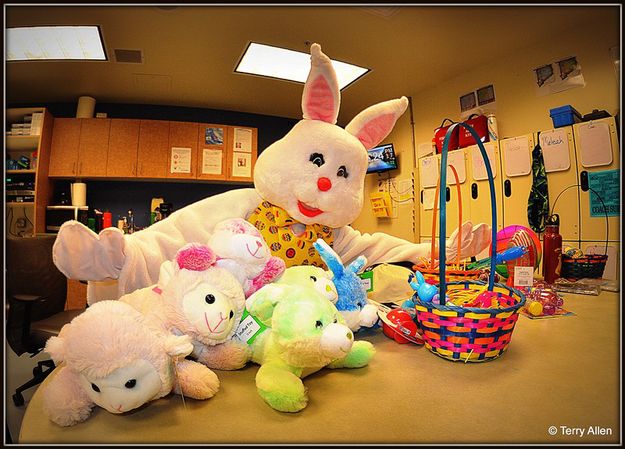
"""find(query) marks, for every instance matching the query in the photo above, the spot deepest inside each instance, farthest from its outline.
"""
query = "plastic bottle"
(552, 250)
(493, 132)
(107, 220)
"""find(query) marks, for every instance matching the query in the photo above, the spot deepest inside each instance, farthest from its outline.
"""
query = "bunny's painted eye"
(342, 171)
(317, 159)
(95, 388)
(318, 324)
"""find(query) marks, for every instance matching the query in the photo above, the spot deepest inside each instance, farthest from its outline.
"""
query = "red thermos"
(552, 249)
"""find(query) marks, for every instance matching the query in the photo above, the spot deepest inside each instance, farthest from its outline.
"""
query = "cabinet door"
(64, 147)
(516, 170)
(242, 152)
(152, 152)
(182, 150)
(212, 161)
(123, 144)
(93, 147)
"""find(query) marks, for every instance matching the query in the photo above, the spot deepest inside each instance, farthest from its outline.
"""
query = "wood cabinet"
(182, 150)
(26, 209)
(64, 148)
(152, 154)
(152, 149)
(93, 147)
(123, 145)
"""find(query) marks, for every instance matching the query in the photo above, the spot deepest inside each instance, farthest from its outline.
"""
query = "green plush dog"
(305, 333)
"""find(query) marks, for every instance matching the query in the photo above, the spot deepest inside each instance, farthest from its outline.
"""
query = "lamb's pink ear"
(321, 98)
(195, 257)
(373, 124)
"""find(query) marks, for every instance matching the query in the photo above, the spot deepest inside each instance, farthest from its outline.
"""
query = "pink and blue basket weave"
(468, 334)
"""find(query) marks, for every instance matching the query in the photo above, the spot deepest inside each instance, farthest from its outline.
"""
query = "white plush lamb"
(308, 185)
(195, 297)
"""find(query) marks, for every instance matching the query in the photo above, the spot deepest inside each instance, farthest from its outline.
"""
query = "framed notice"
(242, 140)
(242, 165)
(212, 162)
(180, 160)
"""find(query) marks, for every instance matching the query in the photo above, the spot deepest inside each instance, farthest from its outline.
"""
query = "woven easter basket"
(589, 265)
(468, 334)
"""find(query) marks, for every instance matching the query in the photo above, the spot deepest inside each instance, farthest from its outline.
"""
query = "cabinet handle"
(73, 168)
(134, 169)
(80, 168)
(141, 168)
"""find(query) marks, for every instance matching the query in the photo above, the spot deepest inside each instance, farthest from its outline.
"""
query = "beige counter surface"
(562, 372)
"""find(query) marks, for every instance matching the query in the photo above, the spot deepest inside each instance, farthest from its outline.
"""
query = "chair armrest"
(26, 298)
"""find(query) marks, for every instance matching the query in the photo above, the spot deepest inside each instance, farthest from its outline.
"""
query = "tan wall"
(518, 108)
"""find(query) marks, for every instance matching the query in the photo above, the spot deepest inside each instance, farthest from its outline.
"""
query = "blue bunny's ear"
(420, 278)
(358, 264)
(332, 260)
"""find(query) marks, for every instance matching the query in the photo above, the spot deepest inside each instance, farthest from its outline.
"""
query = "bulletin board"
(516, 154)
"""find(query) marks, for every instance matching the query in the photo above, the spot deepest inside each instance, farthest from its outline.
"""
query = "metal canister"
(493, 133)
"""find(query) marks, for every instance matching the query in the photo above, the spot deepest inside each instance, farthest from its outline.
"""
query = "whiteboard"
(456, 158)
(595, 144)
(479, 169)
(556, 151)
(516, 154)
(428, 171)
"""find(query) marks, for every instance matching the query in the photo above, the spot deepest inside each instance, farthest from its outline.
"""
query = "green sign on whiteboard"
(607, 185)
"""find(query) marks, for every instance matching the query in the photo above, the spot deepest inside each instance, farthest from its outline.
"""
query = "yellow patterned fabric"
(288, 239)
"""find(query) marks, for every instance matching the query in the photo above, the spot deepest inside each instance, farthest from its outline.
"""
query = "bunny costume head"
(316, 172)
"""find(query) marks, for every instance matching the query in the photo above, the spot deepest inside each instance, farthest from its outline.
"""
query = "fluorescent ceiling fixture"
(54, 42)
(275, 62)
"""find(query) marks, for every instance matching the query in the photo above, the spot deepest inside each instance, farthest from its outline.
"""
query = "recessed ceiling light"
(54, 42)
(281, 63)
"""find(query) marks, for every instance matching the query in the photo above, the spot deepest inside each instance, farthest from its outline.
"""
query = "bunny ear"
(358, 264)
(373, 124)
(331, 259)
(321, 97)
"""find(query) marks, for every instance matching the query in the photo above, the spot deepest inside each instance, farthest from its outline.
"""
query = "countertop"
(562, 372)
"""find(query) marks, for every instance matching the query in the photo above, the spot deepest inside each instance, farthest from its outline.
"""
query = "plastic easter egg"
(402, 329)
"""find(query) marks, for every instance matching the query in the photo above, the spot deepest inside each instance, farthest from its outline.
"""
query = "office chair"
(36, 292)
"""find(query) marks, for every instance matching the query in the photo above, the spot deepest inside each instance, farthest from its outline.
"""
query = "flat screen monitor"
(382, 158)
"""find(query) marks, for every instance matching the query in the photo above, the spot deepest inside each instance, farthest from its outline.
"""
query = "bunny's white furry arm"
(377, 247)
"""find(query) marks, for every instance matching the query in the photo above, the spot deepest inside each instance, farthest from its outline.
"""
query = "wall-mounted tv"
(382, 158)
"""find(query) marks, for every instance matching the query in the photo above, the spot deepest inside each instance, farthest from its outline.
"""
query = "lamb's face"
(124, 389)
(246, 249)
(310, 330)
(210, 311)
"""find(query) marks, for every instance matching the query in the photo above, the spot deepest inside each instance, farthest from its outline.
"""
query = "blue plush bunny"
(352, 296)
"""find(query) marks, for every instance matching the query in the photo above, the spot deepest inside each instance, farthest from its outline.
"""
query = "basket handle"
(443, 210)
(433, 248)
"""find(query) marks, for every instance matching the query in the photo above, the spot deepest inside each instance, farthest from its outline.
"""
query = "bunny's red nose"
(324, 184)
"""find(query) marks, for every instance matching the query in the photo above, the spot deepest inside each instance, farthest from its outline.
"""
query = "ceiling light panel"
(274, 62)
(54, 42)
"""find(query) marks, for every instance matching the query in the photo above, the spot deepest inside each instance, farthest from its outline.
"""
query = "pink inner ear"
(319, 104)
(375, 130)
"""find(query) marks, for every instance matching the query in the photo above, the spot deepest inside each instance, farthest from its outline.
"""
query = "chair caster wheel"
(18, 399)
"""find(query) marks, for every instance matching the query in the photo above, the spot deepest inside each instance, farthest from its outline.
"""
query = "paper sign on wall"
(243, 140)
(479, 168)
(211, 162)
(242, 165)
(517, 156)
(180, 160)
(607, 185)
(555, 146)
